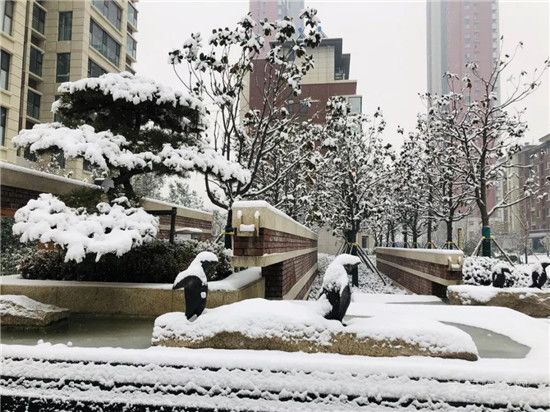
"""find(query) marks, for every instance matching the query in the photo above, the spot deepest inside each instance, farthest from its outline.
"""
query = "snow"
(287, 320)
(486, 293)
(336, 276)
(38, 173)
(23, 306)
(195, 268)
(114, 229)
(189, 229)
(236, 280)
(106, 151)
(247, 228)
(259, 204)
(131, 88)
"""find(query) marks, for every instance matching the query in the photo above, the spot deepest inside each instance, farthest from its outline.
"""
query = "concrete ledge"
(302, 282)
(153, 204)
(439, 257)
(138, 299)
(268, 260)
(435, 279)
(262, 214)
(531, 301)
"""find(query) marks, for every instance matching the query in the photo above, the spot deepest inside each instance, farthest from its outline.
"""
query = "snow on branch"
(102, 149)
(114, 229)
(131, 88)
(109, 151)
(206, 160)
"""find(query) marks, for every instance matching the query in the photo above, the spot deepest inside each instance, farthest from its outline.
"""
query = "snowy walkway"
(369, 282)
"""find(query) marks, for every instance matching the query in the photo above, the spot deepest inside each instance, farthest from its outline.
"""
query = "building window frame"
(7, 9)
(36, 61)
(38, 18)
(106, 45)
(110, 10)
(65, 26)
(63, 68)
(5, 63)
(132, 14)
(94, 69)
(33, 104)
(131, 46)
(3, 124)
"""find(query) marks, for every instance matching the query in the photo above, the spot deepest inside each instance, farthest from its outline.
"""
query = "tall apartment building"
(459, 32)
(47, 42)
(329, 77)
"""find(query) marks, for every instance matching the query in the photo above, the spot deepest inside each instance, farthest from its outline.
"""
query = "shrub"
(154, 262)
(11, 250)
(479, 271)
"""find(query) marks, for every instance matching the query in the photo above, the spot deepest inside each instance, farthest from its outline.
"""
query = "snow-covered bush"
(114, 229)
(479, 270)
(153, 262)
(12, 251)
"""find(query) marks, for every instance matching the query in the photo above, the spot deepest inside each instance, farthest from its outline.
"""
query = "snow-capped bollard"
(193, 281)
(336, 285)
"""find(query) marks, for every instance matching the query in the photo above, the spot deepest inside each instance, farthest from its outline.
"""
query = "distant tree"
(353, 172)
(487, 133)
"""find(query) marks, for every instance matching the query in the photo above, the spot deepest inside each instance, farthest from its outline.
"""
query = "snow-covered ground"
(369, 282)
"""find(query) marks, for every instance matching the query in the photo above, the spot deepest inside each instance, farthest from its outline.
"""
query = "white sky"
(386, 39)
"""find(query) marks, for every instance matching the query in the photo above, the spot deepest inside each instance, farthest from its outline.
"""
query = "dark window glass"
(33, 104)
(38, 19)
(131, 47)
(103, 43)
(132, 15)
(65, 29)
(63, 68)
(36, 62)
(3, 119)
(6, 11)
(110, 10)
(5, 73)
(94, 69)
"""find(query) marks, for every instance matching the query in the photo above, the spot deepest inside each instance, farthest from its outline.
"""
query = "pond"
(88, 331)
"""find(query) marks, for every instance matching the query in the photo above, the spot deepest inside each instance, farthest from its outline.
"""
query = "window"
(33, 104)
(5, 73)
(3, 118)
(110, 10)
(6, 10)
(94, 69)
(132, 15)
(355, 104)
(131, 47)
(38, 18)
(103, 43)
(65, 28)
(63, 68)
(36, 62)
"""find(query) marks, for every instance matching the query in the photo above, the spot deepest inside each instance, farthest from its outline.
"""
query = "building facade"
(460, 32)
(48, 42)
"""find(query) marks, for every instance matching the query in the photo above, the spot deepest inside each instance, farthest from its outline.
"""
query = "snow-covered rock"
(300, 326)
(19, 310)
(531, 301)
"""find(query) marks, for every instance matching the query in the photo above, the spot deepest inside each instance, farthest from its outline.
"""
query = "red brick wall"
(13, 198)
(415, 283)
(282, 276)
(270, 241)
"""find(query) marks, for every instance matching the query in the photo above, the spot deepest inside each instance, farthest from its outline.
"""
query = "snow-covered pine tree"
(127, 125)
(487, 132)
(217, 71)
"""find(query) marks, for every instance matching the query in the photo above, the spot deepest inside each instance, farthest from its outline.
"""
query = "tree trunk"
(429, 233)
(351, 237)
(227, 239)
(449, 242)
(405, 238)
(485, 233)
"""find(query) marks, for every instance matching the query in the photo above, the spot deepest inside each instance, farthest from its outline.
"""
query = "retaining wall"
(136, 299)
(284, 249)
(422, 271)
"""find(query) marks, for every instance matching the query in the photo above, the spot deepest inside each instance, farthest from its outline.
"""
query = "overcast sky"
(386, 39)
